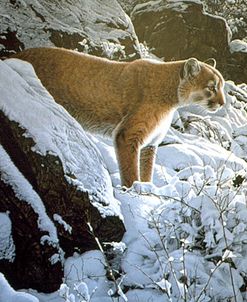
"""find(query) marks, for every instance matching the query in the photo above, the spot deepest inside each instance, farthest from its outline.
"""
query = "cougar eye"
(212, 88)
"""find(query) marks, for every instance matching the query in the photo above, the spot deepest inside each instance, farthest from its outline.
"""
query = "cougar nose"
(221, 99)
(222, 102)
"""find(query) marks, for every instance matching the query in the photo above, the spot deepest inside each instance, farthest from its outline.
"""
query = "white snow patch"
(8, 294)
(88, 268)
(7, 247)
(60, 220)
(238, 46)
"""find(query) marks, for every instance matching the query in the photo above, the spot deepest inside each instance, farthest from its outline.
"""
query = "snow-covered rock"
(95, 26)
(53, 171)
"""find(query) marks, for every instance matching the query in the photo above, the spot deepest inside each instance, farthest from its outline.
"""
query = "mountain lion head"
(202, 84)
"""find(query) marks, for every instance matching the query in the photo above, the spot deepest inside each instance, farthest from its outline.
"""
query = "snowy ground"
(186, 234)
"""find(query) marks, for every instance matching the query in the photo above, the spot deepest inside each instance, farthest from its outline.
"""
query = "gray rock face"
(176, 30)
(97, 27)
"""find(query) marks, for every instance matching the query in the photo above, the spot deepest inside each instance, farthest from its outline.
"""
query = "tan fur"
(133, 102)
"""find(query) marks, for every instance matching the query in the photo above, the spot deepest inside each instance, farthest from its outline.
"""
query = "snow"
(186, 233)
(159, 5)
(8, 294)
(89, 268)
(59, 219)
(7, 247)
(238, 46)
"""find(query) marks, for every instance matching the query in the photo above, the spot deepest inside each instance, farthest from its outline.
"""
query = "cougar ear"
(211, 61)
(191, 68)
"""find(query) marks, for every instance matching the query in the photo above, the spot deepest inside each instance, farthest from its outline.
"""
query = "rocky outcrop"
(97, 27)
(176, 30)
(53, 183)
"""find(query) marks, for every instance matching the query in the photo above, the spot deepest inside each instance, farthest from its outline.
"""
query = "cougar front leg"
(127, 151)
(130, 136)
(147, 159)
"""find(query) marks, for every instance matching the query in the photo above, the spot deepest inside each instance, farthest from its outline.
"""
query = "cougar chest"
(157, 134)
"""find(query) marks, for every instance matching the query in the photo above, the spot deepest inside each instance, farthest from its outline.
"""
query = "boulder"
(97, 27)
(236, 62)
(53, 183)
(176, 30)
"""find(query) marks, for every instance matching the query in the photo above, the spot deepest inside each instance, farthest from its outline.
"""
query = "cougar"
(133, 102)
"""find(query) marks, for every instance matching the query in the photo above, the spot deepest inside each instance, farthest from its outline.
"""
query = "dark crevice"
(17, 155)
